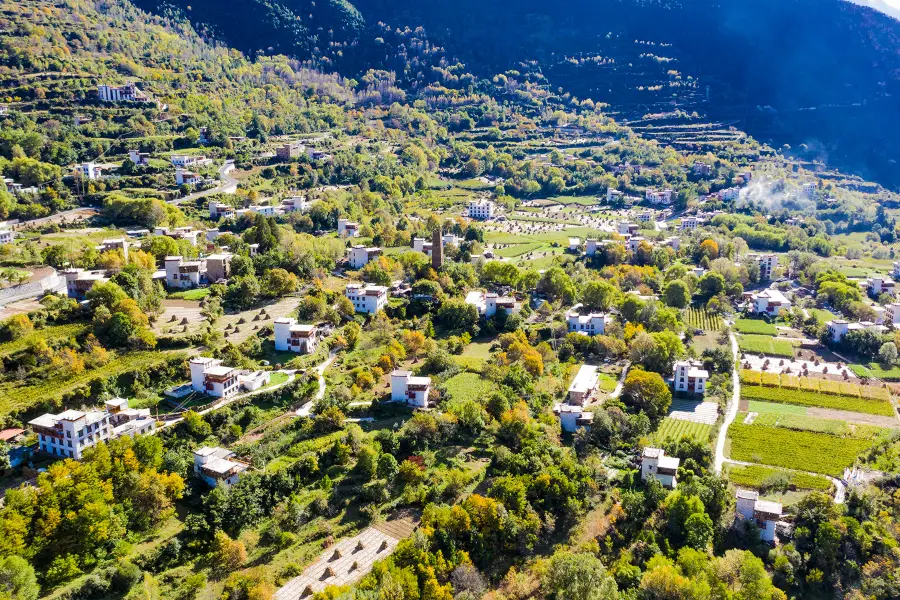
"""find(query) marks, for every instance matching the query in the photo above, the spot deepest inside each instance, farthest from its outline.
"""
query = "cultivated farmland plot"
(765, 344)
(809, 398)
(755, 326)
(700, 318)
(673, 429)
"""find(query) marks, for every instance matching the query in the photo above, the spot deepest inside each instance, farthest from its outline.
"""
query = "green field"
(829, 426)
(755, 476)
(806, 398)
(801, 450)
(758, 406)
(814, 384)
(757, 326)
(765, 344)
(468, 386)
(822, 315)
(675, 428)
(196, 294)
(876, 370)
(52, 334)
(700, 318)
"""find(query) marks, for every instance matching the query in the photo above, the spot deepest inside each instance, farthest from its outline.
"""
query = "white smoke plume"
(767, 194)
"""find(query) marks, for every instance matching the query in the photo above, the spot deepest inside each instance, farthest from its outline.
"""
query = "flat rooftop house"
(215, 466)
(584, 385)
(655, 463)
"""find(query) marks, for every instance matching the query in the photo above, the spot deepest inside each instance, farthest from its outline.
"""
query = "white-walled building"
(359, 256)
(184, 161)
(634, 243)
(7, 236)
(690, 223)
(584, 385)
(450, 239)
(655, 463)
(113, 245)
(141, 159)
(216, 467)
(892, 314)
(660, 196)
(71, 432)
(182, 274)
(265, 210)
(295, 204)
(767, 264)
(690, 377)
(488, 304)
(573, 417)
(208, 376)
(626, 228)
(295, 337)
(674, 242)
(838, 328)
(588, 324)
(124, 93)
(90, 171)
(220, 210)
(79, 282)
(347, 228)
(481, 210)
(876, 286)
(614, 196)
(769, 302)
(367, 298)
(412, 390)
(763, 513)
(645, 216)
(185, 177)
(179, 233)
(729, 194)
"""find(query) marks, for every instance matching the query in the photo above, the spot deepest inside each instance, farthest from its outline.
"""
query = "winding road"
(730, 411)
(306, 409)
(227, 185)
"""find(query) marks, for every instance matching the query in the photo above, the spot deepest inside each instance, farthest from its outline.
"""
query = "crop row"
(757, 326)
(812, 384)
(829, 426)
(766, 344)
(676, 428)
(805, 398)
(756, 476)
(700, 318)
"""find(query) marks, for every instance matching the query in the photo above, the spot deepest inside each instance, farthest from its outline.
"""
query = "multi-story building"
(115, 244)
(673, 242)
(584, 385)
(838, 328)
(124, 93)
(589, 323)
(450, 239)
(645, 216)
(689, 377)
(359, 256)
(655, 463)
(216, 467)
(220, 210)
(186, 160)
(811, 190)
(296, 204)
(347, 228)
(767, 264)
(367, 298)
(701, 169)
(208, 376)
(729, 194)
(770, 302)
(634, 242)
(614, 196)
(71, 432)
(185, 177)
(290, 150)
(763, 513)
(691, 222)
(79, 282)
(626, 228)
(7, 236)
(89, 170)
(660, 196)
(317, 155)
(412, 390)
(876, 286)
(573, 417)
(141, 159)
(183, 274)
(488, 304)
(218, 267)
(892, 314)
(482, 209)
(265, 210)
(295, 337)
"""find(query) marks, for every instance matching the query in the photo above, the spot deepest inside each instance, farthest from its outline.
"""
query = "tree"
(414, 342)
(711, 285)
(242, 292)
(709, 249)
(458, 314)
(647, 392)
(557, 284)
(580, 576)
(863, 342)
(278, 282)
(677, 294)
(17, 579)
(599, 295)
(105, 293)
(887, 354)
(227, 554)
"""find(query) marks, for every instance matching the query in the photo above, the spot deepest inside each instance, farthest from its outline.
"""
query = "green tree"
(677, 294)
(17, 579)
(599, 295)
(647, 392)
(578, 576)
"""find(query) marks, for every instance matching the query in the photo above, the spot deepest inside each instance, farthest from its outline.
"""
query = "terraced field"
(673, 429)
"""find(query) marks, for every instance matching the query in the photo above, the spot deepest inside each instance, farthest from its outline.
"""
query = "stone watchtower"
(437, 249)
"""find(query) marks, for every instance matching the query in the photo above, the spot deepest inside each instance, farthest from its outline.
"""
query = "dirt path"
(851, 417)
(730, 412)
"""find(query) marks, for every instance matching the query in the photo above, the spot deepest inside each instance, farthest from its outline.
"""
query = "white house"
(572, 417)
(367, 298)
(125, 93)
(253, 380)
(655, 463)
(838, 328)
(71, 432)
(810, 190)
(659, 196)
(185, 160)
(896, 271)
(182, 274)
(347, 228)
(481, 209)
(769, 302)
(179, 233)
(185, 177)
(767, 264)
(215, 467)
(674, 242)
(584, 385)
(264, 210)
(295, 337)
(729, 194)
(450, 239)
(409, 389)
(876, 286)
(139, 158)
(588, 324)
(634, 243)
(295, 204)
(208, 376)
(614, 196)
(359, 256)
(220, 210)
(645, 216)
(79, 282)
(114, 244)
(7, 236)
(90, 171)
(690, 377)
(488, 304)
(763, 513)
(574, 244)
(626, 228)
(691, 222)
(892, 314)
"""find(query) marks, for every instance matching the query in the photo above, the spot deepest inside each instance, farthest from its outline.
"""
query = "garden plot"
(756, 362)
(694, 411)
(178, 316)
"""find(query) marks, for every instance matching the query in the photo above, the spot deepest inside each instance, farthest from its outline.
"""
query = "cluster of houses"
(292, 150)
(220, 210)
(210, 377)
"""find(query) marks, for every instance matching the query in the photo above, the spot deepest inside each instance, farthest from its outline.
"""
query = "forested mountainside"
(820, 75)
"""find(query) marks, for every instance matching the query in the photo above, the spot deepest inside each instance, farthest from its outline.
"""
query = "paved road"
(730, 411)
(227, 185)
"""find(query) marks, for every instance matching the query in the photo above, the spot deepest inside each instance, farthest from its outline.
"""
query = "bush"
(125, 577)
